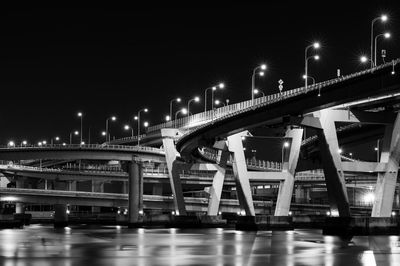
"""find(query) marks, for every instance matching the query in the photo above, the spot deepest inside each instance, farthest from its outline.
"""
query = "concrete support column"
(332, 165)
(97, 186)
(19, 206)
(218, 183)
(135, 199)
(289, 167)
(386, 182)
(125, 187)
(168, 136)
(241, 175)
(60, 215)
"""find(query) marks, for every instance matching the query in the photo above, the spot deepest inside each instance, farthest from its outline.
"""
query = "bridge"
(208, 147)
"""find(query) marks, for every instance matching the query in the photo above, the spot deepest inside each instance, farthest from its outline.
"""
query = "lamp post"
(218, 102)
(183, 111)
(138, 119)
(261, 73)
(195, 99)
(285, 145)
(213, 88)
(76, 133)
(382, 18)
(178, 100)
(386, 35)
(127, 127)
(315, 45)
(54, 139)
(113, 118)
(257, 91)
(309, 77)
(80, 114)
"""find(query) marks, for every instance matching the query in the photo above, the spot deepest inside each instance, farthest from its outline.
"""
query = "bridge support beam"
(386, 182)
(60, 215)
(241, 175)
(289, 167)
(135, 193)
(218, 182)
(168, 137)
(332, 165)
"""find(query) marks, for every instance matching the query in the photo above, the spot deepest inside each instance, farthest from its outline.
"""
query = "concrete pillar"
(168, 136)
(240, 172)
(60, 215)
(332, 165)
(97, 186)
(125, 187)
(19, 206)
(289, 167)
(218, 183)
(135, 199)
(386, 182)
(157, 189)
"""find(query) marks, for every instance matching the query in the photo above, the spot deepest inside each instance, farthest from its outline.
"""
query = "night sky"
(106, 61)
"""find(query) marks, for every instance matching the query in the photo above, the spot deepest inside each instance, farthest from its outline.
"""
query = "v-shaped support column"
(289, 167)
(168, 137)
(386, 182)
(332, 164)
(241, 175)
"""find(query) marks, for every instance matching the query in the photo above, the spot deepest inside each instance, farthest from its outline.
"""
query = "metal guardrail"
(86, 147)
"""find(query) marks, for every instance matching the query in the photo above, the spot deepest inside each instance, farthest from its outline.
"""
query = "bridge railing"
(85, 146)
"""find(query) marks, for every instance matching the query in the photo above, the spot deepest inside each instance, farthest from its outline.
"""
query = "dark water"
(43, 245)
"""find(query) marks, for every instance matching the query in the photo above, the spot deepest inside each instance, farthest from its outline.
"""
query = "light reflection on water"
(116, 245)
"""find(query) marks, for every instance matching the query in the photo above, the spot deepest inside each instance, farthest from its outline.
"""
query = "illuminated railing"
(85, 147)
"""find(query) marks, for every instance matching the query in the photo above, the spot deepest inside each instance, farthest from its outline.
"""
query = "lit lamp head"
(113, 118)
(261, 73)
(103, 133)
(184, 111)
(196, 99)
(256, 91)
(24, 142)
(76, 133)
(214, 88)
(221, 85)
(44, 142)
(304, 76)
(146, 124)
(57, 138)
(11, 143)
(286, 144)
(387, 35)
(146, 110)
(316, 45)
(263, 66)
(177, 99)
(167, 118)
(217, 102)
(136, 118)
(126, 127)
(316, 57)
(80, 114)
(363, 59)
(384, 18)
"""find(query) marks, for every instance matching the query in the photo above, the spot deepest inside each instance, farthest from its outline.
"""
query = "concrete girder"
(288, 170)
(386, 182)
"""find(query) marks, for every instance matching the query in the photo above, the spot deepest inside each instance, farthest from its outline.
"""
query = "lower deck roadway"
(50, 197)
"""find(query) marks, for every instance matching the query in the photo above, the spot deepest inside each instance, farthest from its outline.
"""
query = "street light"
(285, 145)
(138, 119)
(55, 138)
(382, 18)
(24, 142)
(113, 118)
(218, 102)
(314, 45)
(183, 111)
(80, 114)
(386, 35)
(261, 73)
(178, 100)
(11, 143)
(76, 133)
(127, 127)
(167, 118)
(257, 91)
(195, 99)
(213, 88)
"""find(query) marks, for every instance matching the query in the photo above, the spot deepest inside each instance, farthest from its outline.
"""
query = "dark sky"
(109, 61)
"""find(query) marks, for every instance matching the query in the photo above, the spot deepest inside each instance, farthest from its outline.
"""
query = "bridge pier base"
(135, 193)
(386, 182)
(241, 175)
(289, 167)
(97, 186)
(60, 215)
(19, 206)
